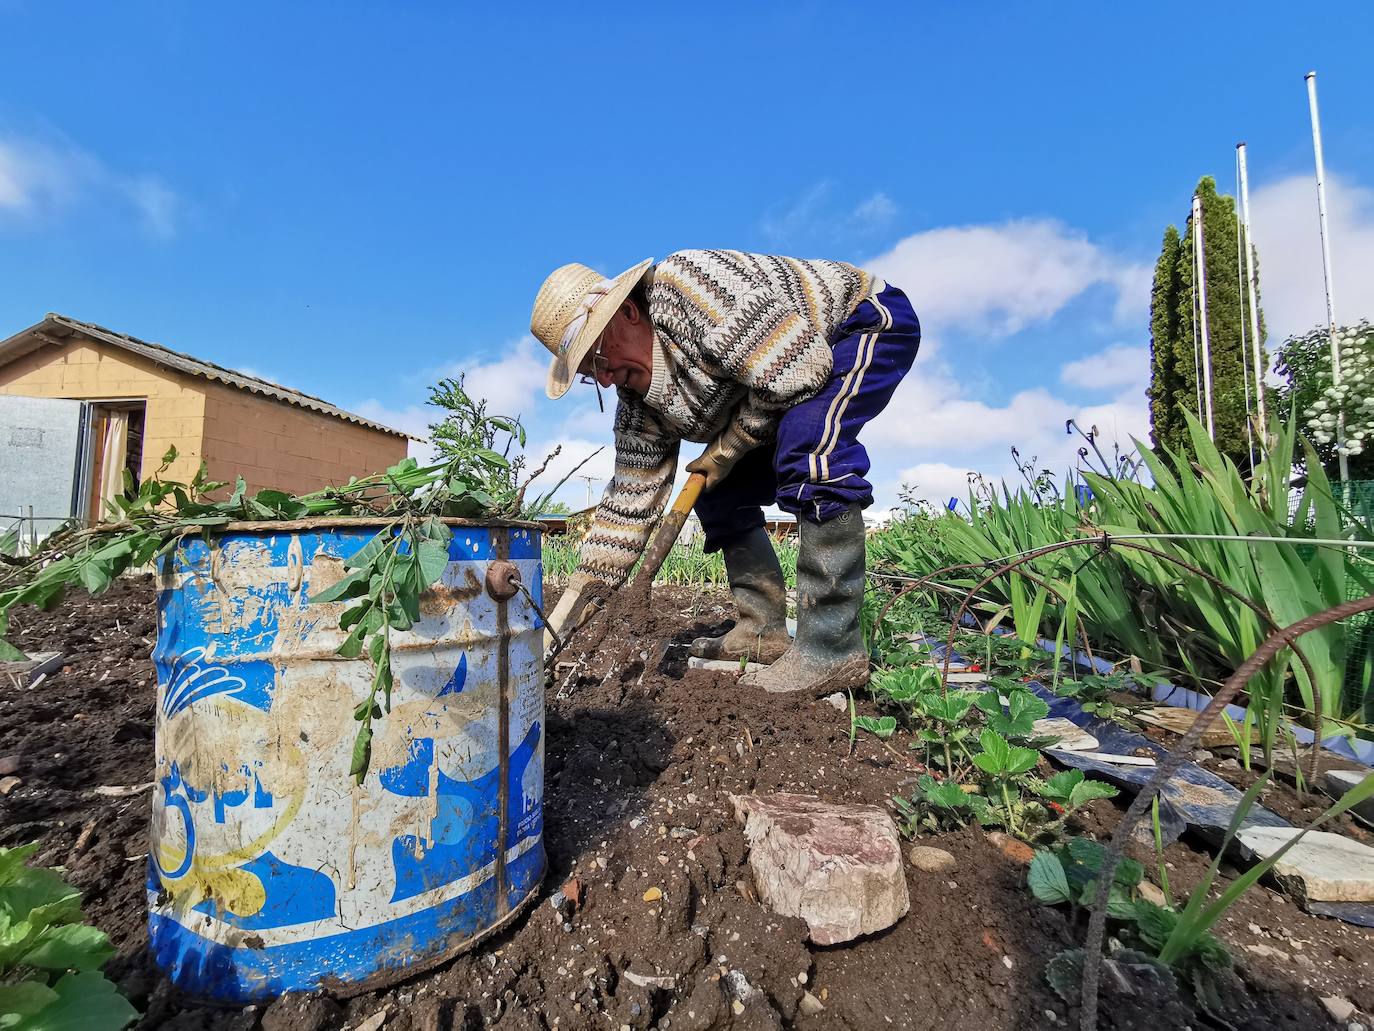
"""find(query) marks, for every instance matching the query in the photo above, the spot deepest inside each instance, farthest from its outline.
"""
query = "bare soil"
(641, 756)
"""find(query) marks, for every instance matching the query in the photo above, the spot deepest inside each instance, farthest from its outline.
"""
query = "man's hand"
(563, 618)
(721, 455)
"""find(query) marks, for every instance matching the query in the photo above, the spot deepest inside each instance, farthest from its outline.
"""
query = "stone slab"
(1322, 867)
(1067, 734)
(1337, 782)
(838, 867)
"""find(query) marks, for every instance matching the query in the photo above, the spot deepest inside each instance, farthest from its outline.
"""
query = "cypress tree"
(1167, 381)
(1173, 323)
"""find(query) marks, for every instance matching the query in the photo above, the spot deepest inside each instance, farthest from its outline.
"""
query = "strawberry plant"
(50, 959)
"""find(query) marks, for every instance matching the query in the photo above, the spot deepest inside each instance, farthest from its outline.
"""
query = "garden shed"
(80, 403)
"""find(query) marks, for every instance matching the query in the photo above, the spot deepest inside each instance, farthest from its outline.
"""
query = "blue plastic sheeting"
(1360, 913)
(1193, 797)
(1359, 751)
(1349, 748)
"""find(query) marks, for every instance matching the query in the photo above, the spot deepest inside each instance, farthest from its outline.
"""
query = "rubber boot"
(760, 631)
(828, 654)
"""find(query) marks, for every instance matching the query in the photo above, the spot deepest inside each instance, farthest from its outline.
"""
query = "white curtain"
(114, 455)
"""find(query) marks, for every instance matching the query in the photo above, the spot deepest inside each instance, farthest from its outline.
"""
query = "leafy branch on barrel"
(479, 477)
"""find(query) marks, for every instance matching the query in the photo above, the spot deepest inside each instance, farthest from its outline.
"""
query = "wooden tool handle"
(668, 530)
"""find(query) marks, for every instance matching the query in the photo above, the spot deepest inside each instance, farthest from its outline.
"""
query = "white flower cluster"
(1354, 397)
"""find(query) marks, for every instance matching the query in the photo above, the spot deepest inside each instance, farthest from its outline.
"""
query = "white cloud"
(38, 179)
(1283, 221)
(512, 384)
(42, 179)
(875, 212)
(933, 433)
(157, 204)
(818, 214)
(1118, 366)
(998, 279)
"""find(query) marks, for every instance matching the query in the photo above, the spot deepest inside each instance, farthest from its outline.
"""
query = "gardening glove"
(721, 455)
(565, 614)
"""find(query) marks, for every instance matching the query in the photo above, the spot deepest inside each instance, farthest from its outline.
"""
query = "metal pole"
(1252, 277)
(1244, 358)
(1326, 268)
(1200, 259)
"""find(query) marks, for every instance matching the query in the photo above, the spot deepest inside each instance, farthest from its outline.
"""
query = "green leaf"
(1047, 880)
(86, 1001)
(362, 751)
(1088, 790)
(1059, 787)
(945, 794)
(22, 1000)
(352, 645)
(70, 947)
(12, 862)
(1020, 760)
(995, 758)
(351, 586)
(1154, 923)
(1087, 853)
(882, 726)
(371, 551)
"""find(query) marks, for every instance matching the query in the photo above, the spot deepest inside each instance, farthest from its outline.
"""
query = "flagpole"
(1326, 269)
(1253, 279)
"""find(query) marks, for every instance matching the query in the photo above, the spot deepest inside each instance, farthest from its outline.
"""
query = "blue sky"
(353, 199)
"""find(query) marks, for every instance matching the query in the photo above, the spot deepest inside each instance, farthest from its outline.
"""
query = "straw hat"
(571, 310)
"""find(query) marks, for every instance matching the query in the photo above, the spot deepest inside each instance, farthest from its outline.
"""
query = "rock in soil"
(838, 867)
(932, 860)
(1017, 851)
(1340, 1009)
(1322, 867)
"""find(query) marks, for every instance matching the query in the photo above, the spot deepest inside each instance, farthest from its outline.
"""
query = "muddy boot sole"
(766, 649)
(804, 681)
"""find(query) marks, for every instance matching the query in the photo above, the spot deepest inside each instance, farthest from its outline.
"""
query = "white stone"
(836, 701)
(1069, 736)
(1338, 782)
(1150, 893)
(932, 860)
(1322, 867)
(1339, 1008)
(810, 1005)
(838, 867)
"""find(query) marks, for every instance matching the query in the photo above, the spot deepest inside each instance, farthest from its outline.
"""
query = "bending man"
(774, 363)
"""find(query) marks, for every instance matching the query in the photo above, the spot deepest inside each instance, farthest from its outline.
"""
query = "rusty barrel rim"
(345, 522)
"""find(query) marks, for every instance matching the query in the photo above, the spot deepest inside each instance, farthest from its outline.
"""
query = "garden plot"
(663, 926)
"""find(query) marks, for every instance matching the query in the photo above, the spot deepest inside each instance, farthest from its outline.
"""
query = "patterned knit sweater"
(738, 339)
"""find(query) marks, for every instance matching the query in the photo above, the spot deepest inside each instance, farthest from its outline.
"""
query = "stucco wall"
(267, 442)
(271, 444)
(86, 371)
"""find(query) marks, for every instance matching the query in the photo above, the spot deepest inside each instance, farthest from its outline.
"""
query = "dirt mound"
(641, 754)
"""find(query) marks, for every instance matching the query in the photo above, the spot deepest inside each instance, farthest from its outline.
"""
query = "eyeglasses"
(599, 365)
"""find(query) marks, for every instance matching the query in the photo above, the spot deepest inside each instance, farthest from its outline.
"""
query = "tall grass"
(686, 565)
(1140, 604)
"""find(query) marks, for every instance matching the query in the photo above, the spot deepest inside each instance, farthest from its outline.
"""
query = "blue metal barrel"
(269, 870)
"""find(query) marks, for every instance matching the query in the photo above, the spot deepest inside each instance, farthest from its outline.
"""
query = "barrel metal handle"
(503, 580)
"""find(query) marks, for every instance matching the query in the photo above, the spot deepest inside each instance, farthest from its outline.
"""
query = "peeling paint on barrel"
(269, 870)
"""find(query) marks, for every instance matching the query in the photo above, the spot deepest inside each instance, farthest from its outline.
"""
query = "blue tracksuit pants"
(816, 467)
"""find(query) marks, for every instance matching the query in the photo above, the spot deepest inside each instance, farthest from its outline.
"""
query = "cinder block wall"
(87, 371)
(271, 444)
